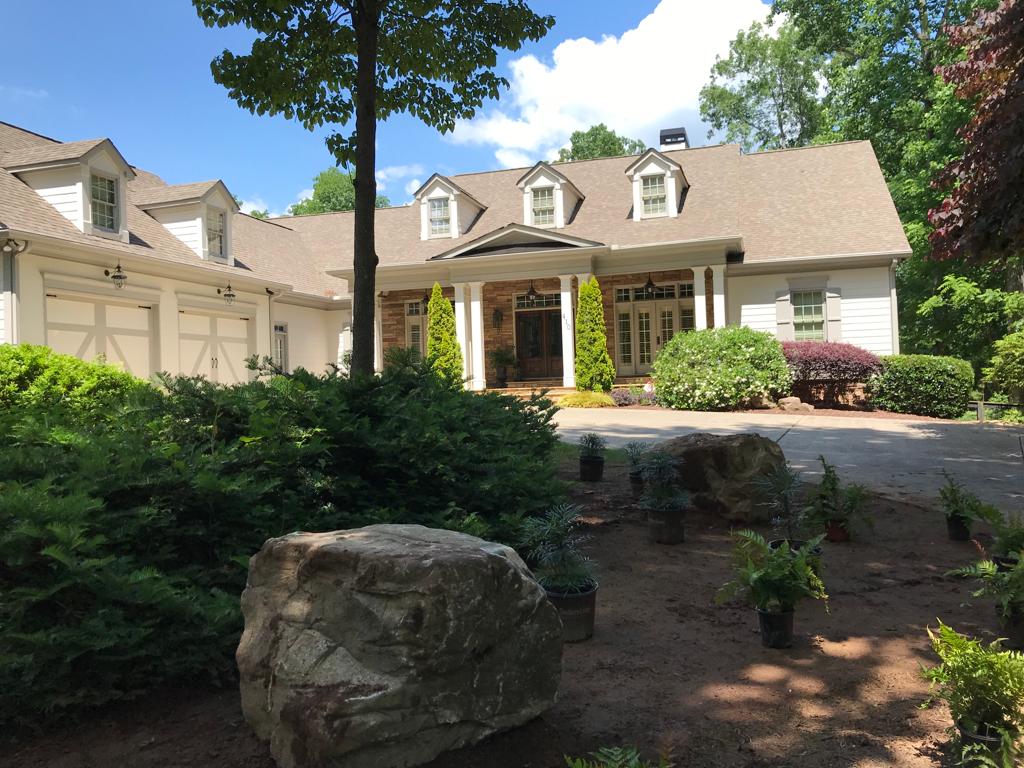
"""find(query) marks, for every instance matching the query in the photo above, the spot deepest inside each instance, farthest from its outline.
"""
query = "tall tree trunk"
(366, 22)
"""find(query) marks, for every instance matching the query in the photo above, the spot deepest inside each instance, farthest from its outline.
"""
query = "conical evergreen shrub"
(595, 370)
(443, 352)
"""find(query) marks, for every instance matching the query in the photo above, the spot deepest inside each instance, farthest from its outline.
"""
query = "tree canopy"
(764, 95)
(599, 141)
(333, 190)
(349, 63)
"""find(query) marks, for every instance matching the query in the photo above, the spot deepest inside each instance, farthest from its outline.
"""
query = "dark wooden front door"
(539, 343)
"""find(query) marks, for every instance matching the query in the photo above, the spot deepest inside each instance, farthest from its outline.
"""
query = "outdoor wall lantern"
(117, 277)
(649, 286)
(13, 247)
(532, 295)
(496, 319)
(426, 299)
(228, 295)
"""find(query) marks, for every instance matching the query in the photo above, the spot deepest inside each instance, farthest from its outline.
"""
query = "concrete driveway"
(896, 457)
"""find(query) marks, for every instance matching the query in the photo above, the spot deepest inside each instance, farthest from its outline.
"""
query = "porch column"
(476, 320)
(568, 337)
(700, 305)
(378, 336)
(718, 289)
(460, 328)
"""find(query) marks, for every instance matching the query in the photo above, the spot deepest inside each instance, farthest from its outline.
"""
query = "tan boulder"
(385, 646)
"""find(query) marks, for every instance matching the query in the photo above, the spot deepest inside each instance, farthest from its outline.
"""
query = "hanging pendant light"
(426, 299)
(117, 277)
(532, 295)
(228, 295)
(649, 286)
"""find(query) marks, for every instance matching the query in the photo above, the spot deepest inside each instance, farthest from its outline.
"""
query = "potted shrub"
(1007, 537)
(773, 581)
(591, 447)
(551, 543)
(663, 499)
(836, 508)
(635, 451)
(1006, 586)
(960, 508)
(504, 360)
(780, 490)
(984, 688)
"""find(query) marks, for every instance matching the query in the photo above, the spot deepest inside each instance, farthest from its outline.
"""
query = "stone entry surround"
(479, 333)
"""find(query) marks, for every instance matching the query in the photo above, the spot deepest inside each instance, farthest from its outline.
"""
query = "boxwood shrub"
(720, 369)
(826, 370)
(926, 385)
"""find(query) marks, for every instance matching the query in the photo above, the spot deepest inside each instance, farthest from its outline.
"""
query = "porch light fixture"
(117, 277)
(228, 295)
(649, 286)
(496, 318)
(13, 247)
(426, 298)
(532, 295)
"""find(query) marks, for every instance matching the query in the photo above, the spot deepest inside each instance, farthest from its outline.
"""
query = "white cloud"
(412, 185)
(17, 93)
(255, 204)
(391, 173)
(643, 80)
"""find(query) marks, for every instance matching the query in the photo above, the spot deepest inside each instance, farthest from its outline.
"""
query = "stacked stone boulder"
(385, 646)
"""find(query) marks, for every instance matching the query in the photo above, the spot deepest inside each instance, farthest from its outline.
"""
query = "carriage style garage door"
(215, 345)
(121, 333)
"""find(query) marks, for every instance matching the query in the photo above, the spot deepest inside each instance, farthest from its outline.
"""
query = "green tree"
(764, 95)
(339, 62)
(443, 351)
(599, 141)
(595, 370)
(264, 214)
(333, 190)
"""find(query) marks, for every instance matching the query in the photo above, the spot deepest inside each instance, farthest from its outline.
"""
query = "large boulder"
(387, 645)
(721, 471)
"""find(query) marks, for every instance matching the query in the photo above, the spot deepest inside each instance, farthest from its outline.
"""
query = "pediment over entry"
(516, 238)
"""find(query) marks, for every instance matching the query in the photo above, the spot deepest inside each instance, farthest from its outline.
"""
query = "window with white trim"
(440, 217)
(416, 327)
(808, 315)
(541, 300)
(103, 200)
(215, 225)
(279, 352)
(686, 290)
(653, 195)
(543, 206)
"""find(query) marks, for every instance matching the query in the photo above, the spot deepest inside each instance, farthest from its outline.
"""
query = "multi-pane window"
(215, 235)
(657, 292)
(416, 327)
(103, 195)
(440, 217)
(414, 308)
(808, 315)
(687, 321)
(625, 338)
(280, 348)
(652, 192)
(543, 206)
(643, 330)
(668, 325)
(686, 290)
(541, 300)
(623, 294)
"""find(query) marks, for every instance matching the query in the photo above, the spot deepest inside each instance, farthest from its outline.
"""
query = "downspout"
(270, 318)
(894, 315)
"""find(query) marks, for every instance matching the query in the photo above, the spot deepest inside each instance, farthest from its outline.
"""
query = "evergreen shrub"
(595, 371)
(925, 385)
(443, 350)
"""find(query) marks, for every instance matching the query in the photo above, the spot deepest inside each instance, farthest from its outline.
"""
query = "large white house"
(100, 258)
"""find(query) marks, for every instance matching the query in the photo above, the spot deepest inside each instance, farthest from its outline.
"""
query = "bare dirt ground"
(666, 667)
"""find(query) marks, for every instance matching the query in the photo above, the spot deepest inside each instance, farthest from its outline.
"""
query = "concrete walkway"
(896, 457)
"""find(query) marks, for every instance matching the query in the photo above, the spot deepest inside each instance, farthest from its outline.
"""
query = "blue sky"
(138, 72)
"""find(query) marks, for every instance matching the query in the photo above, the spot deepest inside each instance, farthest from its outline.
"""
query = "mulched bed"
(667, 668)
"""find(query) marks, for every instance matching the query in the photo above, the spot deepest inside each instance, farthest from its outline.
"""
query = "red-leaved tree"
(982, 218)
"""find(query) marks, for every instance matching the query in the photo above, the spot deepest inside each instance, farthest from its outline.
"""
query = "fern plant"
(1006, 587)
(552, 543)
(617, 757)
(772, 580)
(833, 502)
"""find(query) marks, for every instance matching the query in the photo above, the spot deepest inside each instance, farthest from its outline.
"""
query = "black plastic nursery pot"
(776, 628)
(959, 528)
(836, 532)
(665, 526)
(636, 484)
(1012, 628)
(969, 737)
(577, 611)
(591, 468)
(794, 545)
(1005, 563)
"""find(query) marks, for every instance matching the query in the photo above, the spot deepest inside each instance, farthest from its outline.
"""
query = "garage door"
(215, 346)
(123, 334)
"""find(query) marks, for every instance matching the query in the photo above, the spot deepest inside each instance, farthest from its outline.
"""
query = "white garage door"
(122, 334)
(215, 346)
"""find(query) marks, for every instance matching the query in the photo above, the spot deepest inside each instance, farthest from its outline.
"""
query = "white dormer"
(658, 183)
(446, 209)
(197, 214)
(549, 198)
(85, 181)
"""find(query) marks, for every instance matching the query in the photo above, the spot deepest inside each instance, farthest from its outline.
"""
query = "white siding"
(185, 223)
(866, 316)
(61, 188)
(308, 342)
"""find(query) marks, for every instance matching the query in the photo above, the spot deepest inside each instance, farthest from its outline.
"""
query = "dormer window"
(440, 217)
(652, 191)
(543, 206)
(215, 229)
(103, 198)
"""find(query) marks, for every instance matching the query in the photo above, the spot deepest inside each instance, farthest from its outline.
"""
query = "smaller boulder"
(794, 405)
(722, 471)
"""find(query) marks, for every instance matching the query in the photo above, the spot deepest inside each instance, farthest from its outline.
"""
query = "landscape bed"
(666, 666)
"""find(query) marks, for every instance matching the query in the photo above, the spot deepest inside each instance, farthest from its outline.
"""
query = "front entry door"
(539, 344)
(656, 324)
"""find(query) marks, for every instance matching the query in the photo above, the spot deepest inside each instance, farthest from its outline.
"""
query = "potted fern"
(504, 360)
(984, 688)
(552, 545)
(591, 448)
(836, 508)
(663, 499)
(773, 581)
(1007, 537)
(780, 491)
(1006, 587)
(635, 452)
(960, 508)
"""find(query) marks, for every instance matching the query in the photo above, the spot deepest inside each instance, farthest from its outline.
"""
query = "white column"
(718, 289)
(700, 306)
(460, 328)
(476, 335)
(378, 336)
(568, 337)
